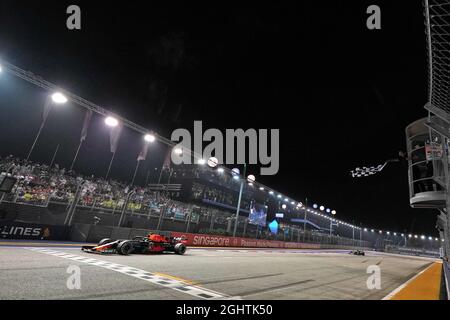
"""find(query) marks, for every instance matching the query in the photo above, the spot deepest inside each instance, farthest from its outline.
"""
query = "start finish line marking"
(152, 277)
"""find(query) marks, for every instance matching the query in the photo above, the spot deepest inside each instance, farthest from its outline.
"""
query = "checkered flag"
(368, 171)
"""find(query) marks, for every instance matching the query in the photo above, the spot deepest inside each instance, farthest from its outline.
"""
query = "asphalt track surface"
(255, 274)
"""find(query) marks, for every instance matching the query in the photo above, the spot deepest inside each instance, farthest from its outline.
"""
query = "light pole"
(148, 138)
(333, 212)
(135, 171)
(238, 208)
(84, 131)
(56, 98)
(54, 156)
(360, 235)
(73, 205)
(166, 164)
(113, 123)
(304, 222)
(125, 205)
(353, 231)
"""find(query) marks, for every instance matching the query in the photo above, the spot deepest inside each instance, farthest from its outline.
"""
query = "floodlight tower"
(56, 98)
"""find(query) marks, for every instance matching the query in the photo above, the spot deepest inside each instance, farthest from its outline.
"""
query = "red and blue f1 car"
(152, 243)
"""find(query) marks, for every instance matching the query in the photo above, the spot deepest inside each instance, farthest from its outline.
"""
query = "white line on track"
(154, 278)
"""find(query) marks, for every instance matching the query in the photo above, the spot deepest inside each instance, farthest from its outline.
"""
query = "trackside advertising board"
(205, 240)
(19, 230)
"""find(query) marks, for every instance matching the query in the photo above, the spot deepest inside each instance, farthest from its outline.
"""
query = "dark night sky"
(340, 94)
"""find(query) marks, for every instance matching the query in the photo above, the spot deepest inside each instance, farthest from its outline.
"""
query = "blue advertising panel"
(258, 214)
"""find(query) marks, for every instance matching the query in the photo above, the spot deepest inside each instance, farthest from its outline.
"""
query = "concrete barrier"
(96, 233)
(138, 233)
(120, 233)
(79, 232)
(446, 267)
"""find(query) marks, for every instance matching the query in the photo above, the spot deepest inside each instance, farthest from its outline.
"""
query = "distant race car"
(152, 243)
(358, 252)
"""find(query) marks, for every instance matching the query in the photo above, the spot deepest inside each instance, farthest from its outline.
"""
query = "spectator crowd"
(40, 184)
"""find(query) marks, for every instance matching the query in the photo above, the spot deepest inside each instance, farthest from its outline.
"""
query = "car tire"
(125, 247)
(180, 248)
(104, 241)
